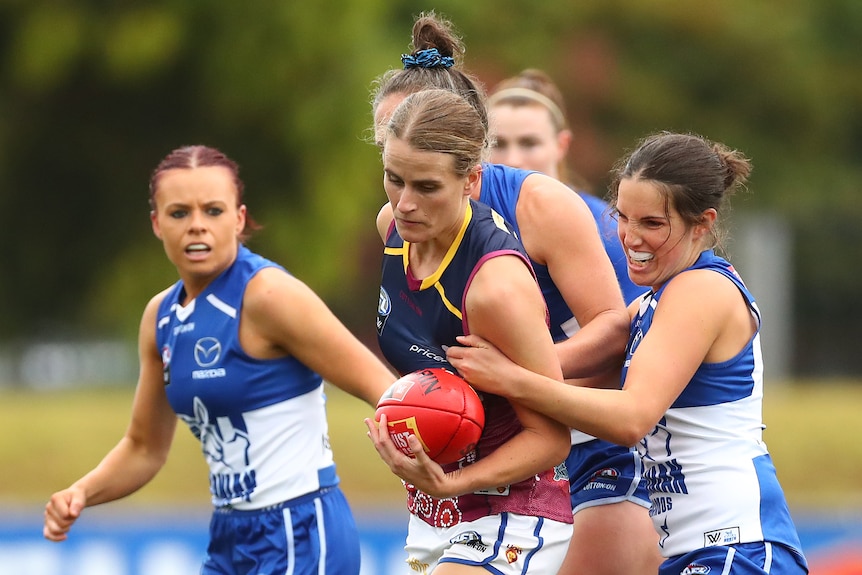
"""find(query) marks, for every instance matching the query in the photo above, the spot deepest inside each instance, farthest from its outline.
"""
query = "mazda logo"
(207, 351)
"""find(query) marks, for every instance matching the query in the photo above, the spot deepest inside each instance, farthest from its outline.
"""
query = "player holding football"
(237, 348)
(451, 267)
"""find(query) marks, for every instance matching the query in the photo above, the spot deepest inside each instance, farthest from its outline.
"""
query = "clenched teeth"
(640, 257)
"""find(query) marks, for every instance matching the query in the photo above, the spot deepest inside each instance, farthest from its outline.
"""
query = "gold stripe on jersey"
(434, 279)
(455, 311)
(456, 243)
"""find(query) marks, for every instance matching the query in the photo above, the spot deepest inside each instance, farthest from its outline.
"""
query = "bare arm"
(559, 232)
(511, 314)
(282, 315)
(384, 220)
(138, 456)
(683, 335)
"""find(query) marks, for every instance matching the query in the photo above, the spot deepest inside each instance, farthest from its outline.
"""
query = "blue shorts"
(602, 473)
(313, 534)
(742, 559)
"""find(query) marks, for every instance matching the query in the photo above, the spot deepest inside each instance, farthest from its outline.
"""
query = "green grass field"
(51, 439)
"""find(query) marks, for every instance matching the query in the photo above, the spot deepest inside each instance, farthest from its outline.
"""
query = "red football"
(439, 408)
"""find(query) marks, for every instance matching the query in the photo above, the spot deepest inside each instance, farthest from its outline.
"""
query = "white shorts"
(507, 544)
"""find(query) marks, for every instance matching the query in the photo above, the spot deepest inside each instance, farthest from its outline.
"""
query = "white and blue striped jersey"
(709, 474)
(261, 422)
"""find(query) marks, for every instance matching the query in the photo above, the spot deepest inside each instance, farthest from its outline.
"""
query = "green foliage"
(94, 94)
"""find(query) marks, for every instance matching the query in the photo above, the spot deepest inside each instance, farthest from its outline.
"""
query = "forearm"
(366, 380)
(608, 380)
(609, 414)
(596, 348)
(124, 470)
(523, 456)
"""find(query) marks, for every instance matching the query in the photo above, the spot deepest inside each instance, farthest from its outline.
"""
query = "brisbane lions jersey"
(417, 320)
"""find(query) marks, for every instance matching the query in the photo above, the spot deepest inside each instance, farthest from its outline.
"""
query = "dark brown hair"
(693, 173)
(188, 157)
(433, 31)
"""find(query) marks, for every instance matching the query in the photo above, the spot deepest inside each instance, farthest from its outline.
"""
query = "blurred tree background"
(93, 94)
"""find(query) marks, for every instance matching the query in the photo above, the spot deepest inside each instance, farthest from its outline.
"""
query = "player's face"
(427, 197)
(526, 138)
(197, 218)
(657, 241)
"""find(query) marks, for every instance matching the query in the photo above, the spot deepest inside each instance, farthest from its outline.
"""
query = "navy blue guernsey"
(417, 320)
(261, 422)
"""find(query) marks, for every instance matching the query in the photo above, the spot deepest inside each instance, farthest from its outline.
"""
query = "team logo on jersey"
(226, 446)
(636, 341)
(663, 473)
(207, 351)
(384, 308)
(695, 569)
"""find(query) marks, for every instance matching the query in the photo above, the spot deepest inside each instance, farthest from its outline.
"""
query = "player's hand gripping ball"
(439, 408)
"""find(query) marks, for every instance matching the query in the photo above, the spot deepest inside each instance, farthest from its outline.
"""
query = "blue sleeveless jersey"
(708, 472)
(501, 187)
(417, 320)
(261, 422)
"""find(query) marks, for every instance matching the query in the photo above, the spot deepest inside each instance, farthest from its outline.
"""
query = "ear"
(154, 220)
(706, 223)
(240, 218)
(564, 142)
(474, 178)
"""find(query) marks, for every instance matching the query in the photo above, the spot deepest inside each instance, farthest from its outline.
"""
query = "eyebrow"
(661, 217)
(417, 182)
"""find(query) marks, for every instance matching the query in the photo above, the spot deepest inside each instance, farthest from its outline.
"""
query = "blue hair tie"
(429, 58)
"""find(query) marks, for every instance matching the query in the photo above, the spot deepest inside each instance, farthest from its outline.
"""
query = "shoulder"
(504, 277)
(151, 310)
(150, 317)
(269, 286)
(546, 196)
(555, 221)
(706, 290)
(384, 221)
